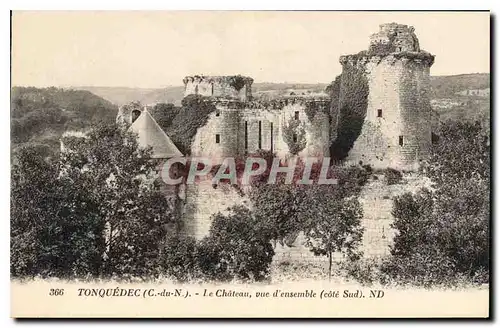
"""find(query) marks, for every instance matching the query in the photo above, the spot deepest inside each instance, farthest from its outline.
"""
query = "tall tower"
(384, 116)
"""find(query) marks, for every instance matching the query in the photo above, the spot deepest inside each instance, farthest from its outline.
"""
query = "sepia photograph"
(328, 164)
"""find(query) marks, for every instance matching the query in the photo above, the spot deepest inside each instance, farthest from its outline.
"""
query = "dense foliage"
(164, 114)
(444, 233)
(94, 213)
(353, 102)
(237, 247)
(193, 114)
(294, 135)
(392, 176)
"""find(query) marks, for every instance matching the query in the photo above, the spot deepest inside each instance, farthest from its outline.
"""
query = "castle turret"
(385, 112)
(235, 87)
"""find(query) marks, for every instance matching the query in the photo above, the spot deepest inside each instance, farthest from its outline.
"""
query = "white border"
(180, 5)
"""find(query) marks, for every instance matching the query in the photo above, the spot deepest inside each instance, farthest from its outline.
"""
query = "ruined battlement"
(394, 37)
(364, 57)
(230, 87)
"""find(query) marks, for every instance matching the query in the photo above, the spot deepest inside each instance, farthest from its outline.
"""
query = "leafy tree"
(286, 208)
(236, 247)
(179, 257)
(119, 175)
(335, 224)
(55, 227)
(451, 223)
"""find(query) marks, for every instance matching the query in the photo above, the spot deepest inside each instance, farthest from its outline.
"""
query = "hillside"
(121, 95)
(41, 115)
(462, 97)
(447, 86)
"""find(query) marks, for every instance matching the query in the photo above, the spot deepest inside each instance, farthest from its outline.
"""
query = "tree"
(120, 178)
(236, 247)
(335, 224)
(179, 257)
(286, 208)
(55, 227)
(449, 224)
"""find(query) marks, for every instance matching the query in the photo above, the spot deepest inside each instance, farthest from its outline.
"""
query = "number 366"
(56, 292)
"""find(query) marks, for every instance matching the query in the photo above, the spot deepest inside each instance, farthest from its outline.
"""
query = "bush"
(421, 269)
(236, 248)
(392, 176)
(364, 271)
(179, 258)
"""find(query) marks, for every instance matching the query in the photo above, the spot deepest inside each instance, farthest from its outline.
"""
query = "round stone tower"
(384, 105)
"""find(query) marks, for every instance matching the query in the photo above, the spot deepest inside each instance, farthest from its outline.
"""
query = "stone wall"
(203, 200)
(218, 138)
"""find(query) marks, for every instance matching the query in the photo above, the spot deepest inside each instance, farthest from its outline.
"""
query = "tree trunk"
(330, 266)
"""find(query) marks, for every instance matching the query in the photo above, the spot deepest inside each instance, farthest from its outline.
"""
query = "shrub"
(421, 269)
(294, 135)
(179, 258)
(364, 271)
(236, 248)
(392, 176)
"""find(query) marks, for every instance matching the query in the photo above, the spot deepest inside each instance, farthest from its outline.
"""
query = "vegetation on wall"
(294, 135)
(353, 102)
(333, 89)
(193, 114)
(313, 107)
(237, 82)
(164, 114)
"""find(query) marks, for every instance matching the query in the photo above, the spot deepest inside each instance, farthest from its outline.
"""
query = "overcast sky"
(157, 49)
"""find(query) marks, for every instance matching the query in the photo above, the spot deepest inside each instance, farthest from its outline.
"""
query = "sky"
(158, 48)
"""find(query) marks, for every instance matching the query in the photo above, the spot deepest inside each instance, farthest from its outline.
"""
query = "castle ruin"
(382, 118)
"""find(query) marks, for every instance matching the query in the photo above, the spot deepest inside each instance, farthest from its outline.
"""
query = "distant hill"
(42, 115)
(121, 95)
(442, 87)
(456, 97)
(448, 86)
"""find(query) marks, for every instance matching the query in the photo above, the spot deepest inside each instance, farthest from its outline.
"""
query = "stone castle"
(381, 116)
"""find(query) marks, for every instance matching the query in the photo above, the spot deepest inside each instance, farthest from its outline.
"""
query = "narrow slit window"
(296, 115)
(246, 136)
(401, 141)
(217, 112)
(260, 134)
(294, 137)
(217, 138)
(379, 113)
(272, 146)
